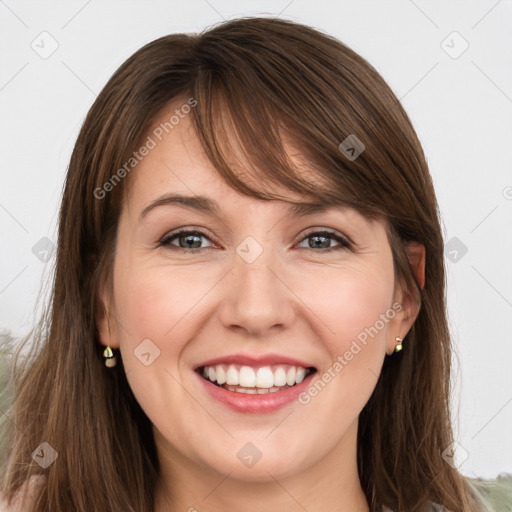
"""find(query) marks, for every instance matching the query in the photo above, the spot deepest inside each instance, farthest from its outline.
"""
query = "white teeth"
(280, 377)
(232, 376)
(247, 377)
(259, 391)
(265, 379)
(290, 376)
(221, 374)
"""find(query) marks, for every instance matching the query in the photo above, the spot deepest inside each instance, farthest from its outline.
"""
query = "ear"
(104, 323)
(410, 302)
(416, 255)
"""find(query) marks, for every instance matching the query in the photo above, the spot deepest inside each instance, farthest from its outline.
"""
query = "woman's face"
(262, 287)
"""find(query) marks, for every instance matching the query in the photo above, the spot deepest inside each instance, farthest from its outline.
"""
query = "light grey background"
(461, 106)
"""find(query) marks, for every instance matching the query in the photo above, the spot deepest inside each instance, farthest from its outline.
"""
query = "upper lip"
(253, 360)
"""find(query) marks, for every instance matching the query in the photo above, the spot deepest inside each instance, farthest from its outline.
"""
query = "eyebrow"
(207, 205)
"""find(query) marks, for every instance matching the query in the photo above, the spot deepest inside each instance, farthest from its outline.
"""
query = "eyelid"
(343, 240)
(346, 239)
(188, 229)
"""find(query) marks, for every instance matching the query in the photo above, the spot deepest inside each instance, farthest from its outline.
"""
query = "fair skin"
(294, 299)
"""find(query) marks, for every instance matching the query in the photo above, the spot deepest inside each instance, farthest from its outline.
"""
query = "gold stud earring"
(108, 354)
(110, 358)
(399, 344)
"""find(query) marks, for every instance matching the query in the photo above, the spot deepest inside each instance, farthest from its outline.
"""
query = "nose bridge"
(256, 299)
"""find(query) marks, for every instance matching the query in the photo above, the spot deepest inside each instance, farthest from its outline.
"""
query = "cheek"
(161, 304)
(157, 311)
(348, 302)
(355, 312)
(149, 306)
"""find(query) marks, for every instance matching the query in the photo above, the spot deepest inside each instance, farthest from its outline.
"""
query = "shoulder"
(25, 497)
(495, 494)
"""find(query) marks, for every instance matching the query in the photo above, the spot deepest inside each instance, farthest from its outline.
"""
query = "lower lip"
(255, 404)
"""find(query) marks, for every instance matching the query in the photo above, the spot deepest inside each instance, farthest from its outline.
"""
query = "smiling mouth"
(255, 380)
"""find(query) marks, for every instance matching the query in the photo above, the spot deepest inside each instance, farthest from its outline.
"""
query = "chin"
(256, 462)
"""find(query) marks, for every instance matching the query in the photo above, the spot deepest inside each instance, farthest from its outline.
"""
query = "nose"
(257, 298)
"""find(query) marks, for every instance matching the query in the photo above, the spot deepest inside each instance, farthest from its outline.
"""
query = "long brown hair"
(255, 80)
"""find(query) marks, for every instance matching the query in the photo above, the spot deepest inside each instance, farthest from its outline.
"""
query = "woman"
(249, 240)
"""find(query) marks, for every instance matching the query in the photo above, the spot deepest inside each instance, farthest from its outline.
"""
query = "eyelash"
(166, 241)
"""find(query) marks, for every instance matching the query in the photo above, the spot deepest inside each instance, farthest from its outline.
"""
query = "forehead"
(177, 172)
(177, 163)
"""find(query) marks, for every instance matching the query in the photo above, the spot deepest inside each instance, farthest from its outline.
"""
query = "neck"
(332, 483)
